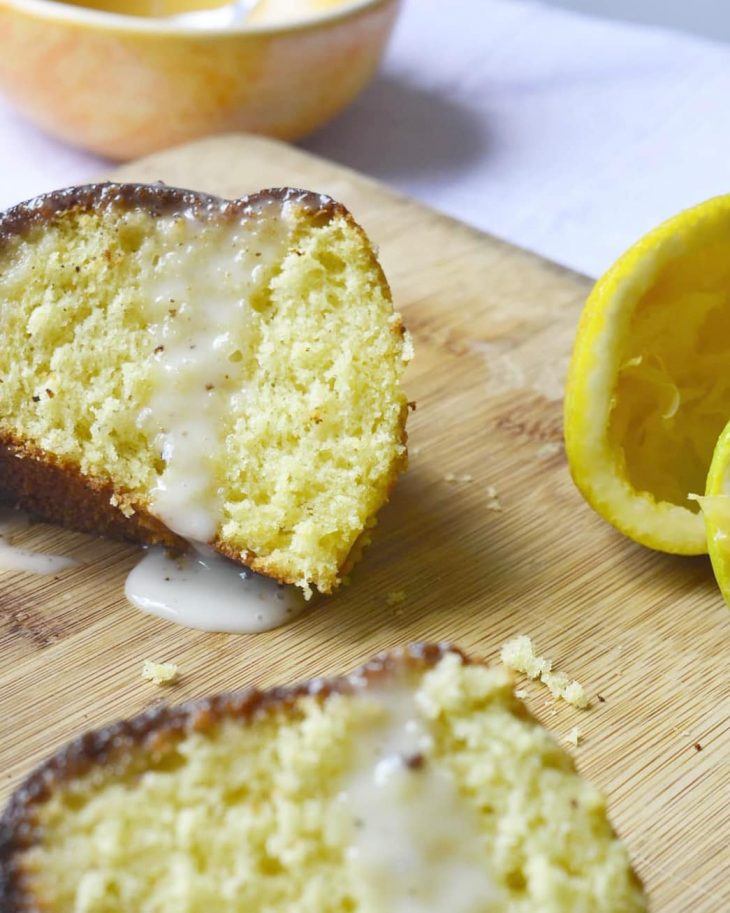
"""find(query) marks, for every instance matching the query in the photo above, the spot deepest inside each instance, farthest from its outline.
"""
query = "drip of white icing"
(13, 558)
(415, 844)
(203, 286)
(206, 591)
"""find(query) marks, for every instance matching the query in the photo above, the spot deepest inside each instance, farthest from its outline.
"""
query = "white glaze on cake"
(204, 284)
(415, 844)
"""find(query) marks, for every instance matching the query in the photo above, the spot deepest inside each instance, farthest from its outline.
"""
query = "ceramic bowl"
(127, 85)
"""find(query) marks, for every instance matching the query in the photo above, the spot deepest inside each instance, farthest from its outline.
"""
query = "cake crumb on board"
(493, 502)
(454, 478)
(159, 673)
(563, 686)
(551, 448)
(395, 597)
(573, 737)
(518, 654)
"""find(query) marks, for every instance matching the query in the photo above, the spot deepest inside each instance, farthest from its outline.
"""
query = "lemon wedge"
(648, 388)
(715, 506)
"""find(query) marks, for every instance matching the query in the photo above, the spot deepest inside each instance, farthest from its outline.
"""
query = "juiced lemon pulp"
(648, 389)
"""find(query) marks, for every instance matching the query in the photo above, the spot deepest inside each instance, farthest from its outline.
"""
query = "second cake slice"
(418, 784)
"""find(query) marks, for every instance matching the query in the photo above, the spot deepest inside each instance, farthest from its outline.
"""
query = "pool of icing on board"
(205, 591)
(13, 558)
(199, 590)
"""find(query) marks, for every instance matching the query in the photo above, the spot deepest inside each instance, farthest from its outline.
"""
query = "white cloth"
(564, 134)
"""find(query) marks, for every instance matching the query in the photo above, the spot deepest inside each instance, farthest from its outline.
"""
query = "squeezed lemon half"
(648, 390)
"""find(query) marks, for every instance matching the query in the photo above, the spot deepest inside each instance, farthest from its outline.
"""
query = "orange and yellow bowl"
(124, 84)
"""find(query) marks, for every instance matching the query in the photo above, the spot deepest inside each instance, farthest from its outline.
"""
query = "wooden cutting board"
(493, 326)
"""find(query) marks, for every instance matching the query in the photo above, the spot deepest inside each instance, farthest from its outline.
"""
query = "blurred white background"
(567, 133)
(710, 18)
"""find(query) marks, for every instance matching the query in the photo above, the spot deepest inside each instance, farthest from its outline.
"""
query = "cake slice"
(179, 368)
(418, 783)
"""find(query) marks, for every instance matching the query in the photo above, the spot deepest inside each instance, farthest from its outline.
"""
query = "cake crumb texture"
(245, 815)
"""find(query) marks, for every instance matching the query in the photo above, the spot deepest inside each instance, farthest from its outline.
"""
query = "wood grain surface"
(493, 327)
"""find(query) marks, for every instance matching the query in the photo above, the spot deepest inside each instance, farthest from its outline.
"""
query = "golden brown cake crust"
(41, 484)
(56, 490)
(158, 200)
(157, 731)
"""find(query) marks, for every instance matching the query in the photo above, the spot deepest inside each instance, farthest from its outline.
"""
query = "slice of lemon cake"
(418, 783)
(176, 367)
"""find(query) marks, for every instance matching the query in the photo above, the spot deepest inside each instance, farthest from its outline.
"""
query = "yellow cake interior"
(249, 818)
(309, 408)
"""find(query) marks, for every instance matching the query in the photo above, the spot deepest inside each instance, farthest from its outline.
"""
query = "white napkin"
(564, 134)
